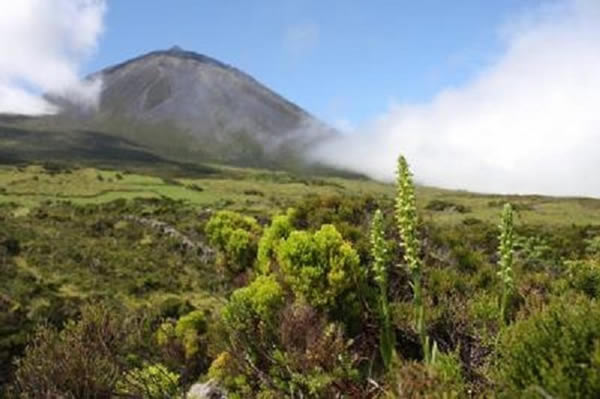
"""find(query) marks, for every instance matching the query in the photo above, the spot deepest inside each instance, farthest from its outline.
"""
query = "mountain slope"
(185, 107)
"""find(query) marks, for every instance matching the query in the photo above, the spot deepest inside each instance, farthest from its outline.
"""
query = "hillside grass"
(261, 191)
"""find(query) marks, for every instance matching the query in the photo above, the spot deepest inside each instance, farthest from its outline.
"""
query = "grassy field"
(71, 236)
(261, 191)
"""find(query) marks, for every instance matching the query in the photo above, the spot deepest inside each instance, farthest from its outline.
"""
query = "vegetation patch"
(276, 285)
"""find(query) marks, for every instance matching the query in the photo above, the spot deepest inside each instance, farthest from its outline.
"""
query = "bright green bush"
(151, 381)
(254, 305)
(279, 230)
(556, 351)
(189, 329)
(236, 238)
(184, 345)
(320, 267)
(224, 370)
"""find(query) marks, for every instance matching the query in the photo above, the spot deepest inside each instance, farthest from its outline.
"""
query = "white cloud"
(301, 39)
(43, 43)
(344, 125)
(528, 123)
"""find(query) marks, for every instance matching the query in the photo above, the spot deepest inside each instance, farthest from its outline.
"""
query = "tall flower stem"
(387, 338)
(505, 251)
(406, 218)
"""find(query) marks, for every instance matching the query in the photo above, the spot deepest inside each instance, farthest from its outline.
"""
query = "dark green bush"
(87, 359)
(556, 351)
(446, 206)
(584, 276)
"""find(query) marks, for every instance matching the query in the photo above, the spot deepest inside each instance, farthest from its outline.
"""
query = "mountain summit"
(184, 104)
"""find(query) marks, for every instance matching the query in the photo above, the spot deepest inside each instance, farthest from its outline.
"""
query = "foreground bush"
(554, 353)
(443, 380)
(321, 268)
(152, 381)
(183, 345)
(87, 359)
(279, 230)
(584, 276)
(280, 348)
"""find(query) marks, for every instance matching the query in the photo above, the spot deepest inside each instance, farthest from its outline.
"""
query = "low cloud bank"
(42, 45)
(528, 123)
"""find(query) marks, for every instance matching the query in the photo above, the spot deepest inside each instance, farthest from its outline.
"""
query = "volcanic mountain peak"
(188, 106)
(174, 52)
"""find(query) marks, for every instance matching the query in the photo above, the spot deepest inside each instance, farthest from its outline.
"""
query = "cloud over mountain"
(527, 123)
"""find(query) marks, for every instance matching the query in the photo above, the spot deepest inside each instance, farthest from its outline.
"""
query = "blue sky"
(343, 61)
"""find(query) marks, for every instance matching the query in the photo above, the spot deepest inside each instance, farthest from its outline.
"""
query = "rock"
(185, 243)
(207, 390)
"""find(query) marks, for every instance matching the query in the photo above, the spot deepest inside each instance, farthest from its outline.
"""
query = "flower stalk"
(387, 338)
(506, 250)
(406, 218)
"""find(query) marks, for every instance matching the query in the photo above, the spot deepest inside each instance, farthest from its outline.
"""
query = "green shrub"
(469, 260)
(84, 360)
(282, 348)
(482, 312)
(150, 381)
(556, 351)
(320, 267)
(291, 351)
(532, 251)
(449, 369)
(254, 306)
(584, 276)
(236, 238)
(189, 329)
(414, 380)
(280, 229)
(225, 370)
(173, 306)
(183, 344)
(439, 205)
(593, 246)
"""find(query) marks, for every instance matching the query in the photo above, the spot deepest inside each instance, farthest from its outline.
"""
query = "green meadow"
(143, 282)
(264, 191)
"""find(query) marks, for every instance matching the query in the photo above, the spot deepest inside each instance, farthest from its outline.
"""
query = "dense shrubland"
(340, 296)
